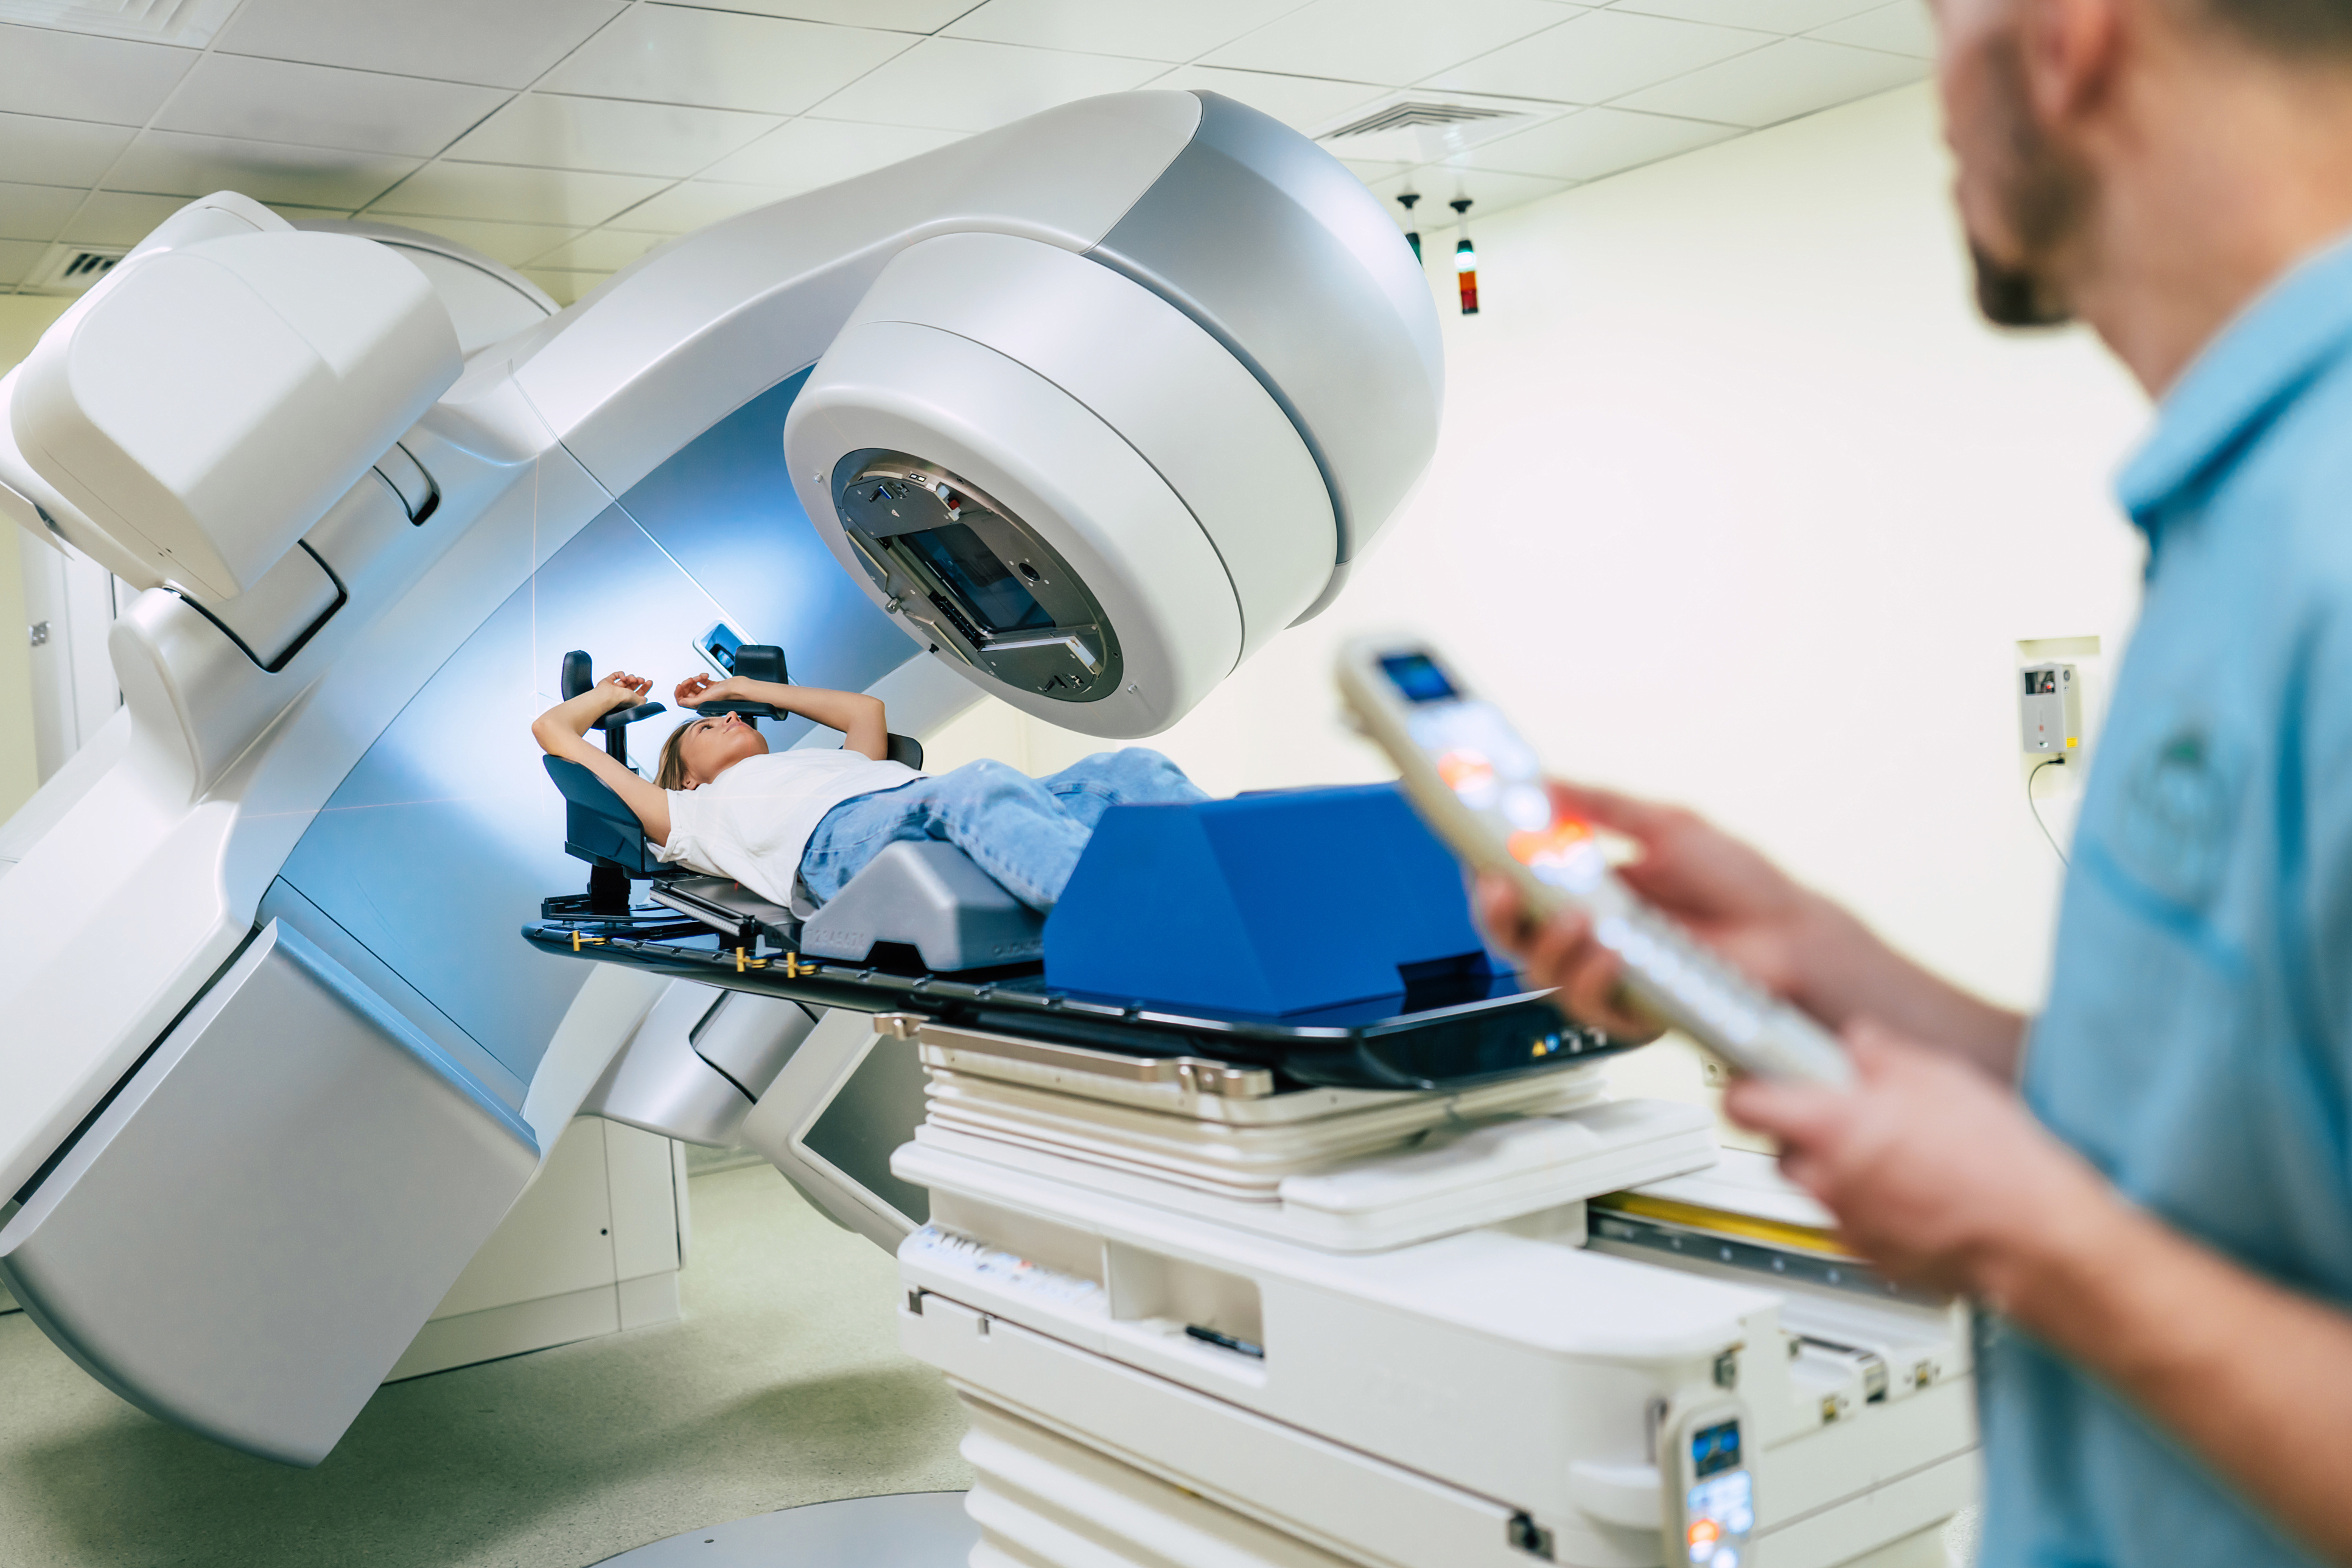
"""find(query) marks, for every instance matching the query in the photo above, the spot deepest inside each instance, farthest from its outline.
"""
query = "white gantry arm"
(1160, 349)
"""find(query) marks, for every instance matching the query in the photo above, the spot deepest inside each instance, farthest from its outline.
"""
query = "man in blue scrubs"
(2153, 1199)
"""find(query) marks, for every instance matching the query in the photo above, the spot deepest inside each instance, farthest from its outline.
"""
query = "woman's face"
(715, 744)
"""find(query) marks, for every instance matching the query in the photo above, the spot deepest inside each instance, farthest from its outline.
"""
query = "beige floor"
(783, 1385)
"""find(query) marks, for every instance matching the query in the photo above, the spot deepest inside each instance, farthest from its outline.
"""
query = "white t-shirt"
(752, 822)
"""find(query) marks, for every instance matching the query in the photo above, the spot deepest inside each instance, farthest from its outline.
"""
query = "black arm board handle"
(761, 662)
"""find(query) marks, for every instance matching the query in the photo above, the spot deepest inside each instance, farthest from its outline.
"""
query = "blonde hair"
(671, 775)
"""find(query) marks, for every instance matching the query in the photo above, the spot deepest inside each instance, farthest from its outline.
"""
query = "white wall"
(1738, 503)
(23, 318)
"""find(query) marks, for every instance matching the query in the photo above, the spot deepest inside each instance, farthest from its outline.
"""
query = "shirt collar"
(2275, 344)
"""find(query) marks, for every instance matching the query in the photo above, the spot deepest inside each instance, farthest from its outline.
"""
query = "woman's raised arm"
(863, 725)
(562, 732)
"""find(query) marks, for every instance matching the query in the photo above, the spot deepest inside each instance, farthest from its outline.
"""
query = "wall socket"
(2050, 710)
(2060, 686)
(2081, 671)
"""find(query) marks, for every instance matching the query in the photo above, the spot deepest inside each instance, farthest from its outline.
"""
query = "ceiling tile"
(17, 258)
(626, 138)
(1594, 142)
(695, 203)
(896, 15)
(512, 243)
(37, 212)
(324, 106)
(1793, 77)
(565, 288)
(1599, 55)
(1391, 42)
(668, 55)
(171, 163)
(507, 44)
(113, 218)
(1299, 102)
(954, 84)
(602, 250)
(77, 77)
(807, 154)
(1762, 16)
(1372, 173)
(1902, 29)
(1147, 29)
(57, 152)
(497, 192)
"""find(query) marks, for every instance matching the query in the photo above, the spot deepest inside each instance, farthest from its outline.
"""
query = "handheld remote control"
(1483, 789)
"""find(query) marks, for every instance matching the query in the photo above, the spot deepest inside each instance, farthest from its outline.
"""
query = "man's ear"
(2072, 49)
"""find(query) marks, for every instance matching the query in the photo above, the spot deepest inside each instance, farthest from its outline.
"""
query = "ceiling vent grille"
(1411, 115)
(191, 22)
(74, 267)
(1425, 127)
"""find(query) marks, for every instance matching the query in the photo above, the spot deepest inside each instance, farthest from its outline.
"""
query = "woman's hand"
(696, 689)
(571, 720)
(621, 689)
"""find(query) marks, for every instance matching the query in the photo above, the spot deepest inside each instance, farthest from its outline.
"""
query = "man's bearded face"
(2035, 194)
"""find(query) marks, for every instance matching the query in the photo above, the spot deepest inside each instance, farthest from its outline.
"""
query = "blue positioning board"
(1270, 905)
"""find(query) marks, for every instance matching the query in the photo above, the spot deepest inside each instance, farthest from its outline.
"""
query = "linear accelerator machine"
(1078, 414)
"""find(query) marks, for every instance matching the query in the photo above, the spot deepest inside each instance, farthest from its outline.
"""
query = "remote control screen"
(1488, 766)
(1417, 676)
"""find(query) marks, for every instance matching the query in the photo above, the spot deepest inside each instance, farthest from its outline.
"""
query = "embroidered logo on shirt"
(2178, 809)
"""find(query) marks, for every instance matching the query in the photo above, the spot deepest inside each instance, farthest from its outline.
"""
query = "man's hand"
(1936, 1171)
(1786, 938)
(696, 689)
(1938, 1176)
(1726, 894)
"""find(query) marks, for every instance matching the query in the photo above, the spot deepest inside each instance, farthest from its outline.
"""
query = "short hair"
(671, 775)
(2292, 28)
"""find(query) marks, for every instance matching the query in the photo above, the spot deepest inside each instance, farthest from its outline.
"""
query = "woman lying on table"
(795, 826)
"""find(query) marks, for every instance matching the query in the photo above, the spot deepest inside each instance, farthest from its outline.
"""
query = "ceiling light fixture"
(1412, 232)
(1466, 258)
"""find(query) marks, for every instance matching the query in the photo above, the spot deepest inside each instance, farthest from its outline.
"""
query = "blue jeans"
(1026, 832)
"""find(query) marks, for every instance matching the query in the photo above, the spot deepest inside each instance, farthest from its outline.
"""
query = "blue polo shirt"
(2198, 1039)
